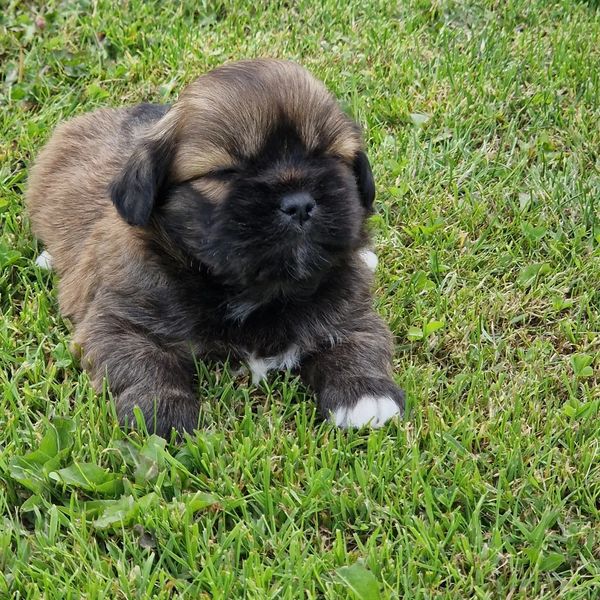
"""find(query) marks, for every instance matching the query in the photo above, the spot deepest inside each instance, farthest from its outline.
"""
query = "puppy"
(229, 225)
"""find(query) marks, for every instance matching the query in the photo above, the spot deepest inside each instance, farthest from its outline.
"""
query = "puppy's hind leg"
(44, 261)
(141, 371)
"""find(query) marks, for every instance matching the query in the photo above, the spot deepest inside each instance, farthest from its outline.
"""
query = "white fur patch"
(44, 260)
(369, 410)
(369, 258)
(260, 367)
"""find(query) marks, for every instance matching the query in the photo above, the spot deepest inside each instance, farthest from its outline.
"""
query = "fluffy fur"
(172, 236)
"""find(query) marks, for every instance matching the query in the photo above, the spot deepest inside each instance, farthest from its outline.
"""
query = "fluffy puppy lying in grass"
(231, 224)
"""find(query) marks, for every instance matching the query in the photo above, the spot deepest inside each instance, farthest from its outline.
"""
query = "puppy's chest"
(261, 366)
(258, 353)
(273, 338)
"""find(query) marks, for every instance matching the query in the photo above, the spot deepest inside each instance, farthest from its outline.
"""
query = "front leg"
(352, 378)
(142, 371)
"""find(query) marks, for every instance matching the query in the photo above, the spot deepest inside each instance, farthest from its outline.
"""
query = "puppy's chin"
(295, 267)
(295, 278)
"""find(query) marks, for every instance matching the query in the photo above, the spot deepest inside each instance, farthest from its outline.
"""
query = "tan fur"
(213, 189)
(78, 229)
(212, 114)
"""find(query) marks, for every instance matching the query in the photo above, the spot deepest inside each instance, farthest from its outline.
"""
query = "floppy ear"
(134, 192)
(364, 179)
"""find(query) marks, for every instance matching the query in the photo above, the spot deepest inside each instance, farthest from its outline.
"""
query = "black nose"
(298, 206)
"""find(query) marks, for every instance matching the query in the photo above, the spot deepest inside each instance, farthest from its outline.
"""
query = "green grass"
(482, 123)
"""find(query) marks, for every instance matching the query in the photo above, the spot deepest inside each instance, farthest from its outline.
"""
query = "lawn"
(482, 121)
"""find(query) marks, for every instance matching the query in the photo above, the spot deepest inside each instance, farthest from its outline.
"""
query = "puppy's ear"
(134, 192)
(364, 179)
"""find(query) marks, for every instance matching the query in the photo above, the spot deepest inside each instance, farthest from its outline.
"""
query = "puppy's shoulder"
(104, 126)
(83, 129)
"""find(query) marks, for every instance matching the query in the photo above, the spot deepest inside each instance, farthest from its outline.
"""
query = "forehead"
(247, 111)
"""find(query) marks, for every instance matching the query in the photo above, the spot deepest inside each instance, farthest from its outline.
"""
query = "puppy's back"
(68, 189)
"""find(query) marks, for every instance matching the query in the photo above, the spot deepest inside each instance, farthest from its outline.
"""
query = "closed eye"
(222, 173)
(219, 174)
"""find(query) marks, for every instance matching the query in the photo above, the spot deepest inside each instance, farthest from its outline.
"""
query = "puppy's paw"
(359, 402)
(373, 411)
(162, 410)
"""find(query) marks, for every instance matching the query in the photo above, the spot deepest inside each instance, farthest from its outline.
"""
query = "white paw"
(44, 260)
(369, 410)
(369, 258)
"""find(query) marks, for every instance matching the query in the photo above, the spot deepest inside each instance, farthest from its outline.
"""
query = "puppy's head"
(256, 173)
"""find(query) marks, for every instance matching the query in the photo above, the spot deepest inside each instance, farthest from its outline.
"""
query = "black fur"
(135, 192)
(366, 182)
(147, 113)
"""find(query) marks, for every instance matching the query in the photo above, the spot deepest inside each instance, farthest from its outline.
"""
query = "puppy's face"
(256, 173)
